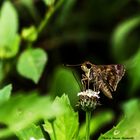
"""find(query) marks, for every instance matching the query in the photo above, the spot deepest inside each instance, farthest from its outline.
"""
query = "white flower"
(90, 93)
(88, 100)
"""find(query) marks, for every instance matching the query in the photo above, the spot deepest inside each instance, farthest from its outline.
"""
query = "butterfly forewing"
(112, 74)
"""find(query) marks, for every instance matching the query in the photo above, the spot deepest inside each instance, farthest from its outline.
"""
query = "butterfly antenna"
(76, 65)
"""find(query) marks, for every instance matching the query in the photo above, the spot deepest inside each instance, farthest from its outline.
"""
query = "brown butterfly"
(102, 77)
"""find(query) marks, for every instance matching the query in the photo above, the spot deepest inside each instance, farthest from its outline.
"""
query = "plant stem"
(52, 124)
(2, 71)
(45, 21)
(48, 15)
(88, 116)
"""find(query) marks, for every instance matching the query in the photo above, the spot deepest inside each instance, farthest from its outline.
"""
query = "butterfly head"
(86, 66)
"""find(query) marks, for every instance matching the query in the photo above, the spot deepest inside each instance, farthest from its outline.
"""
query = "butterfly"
(102, 77)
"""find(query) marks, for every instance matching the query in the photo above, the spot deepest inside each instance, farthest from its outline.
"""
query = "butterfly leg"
(83, 81)
(95, 85)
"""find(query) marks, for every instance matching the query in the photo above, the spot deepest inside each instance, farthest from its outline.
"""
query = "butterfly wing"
(112, 74)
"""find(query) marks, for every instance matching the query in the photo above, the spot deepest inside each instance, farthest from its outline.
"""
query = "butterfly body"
(102, 77)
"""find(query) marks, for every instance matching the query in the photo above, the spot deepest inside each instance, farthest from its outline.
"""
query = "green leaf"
(9, 39)
(97, 122)
(65, 125)
(124, 41)
(29, 34)
(120, 39)
(5, 93)
(49, 2)
(21, 111)
(64, 81)
(31, 63)
(31, 132)
(129, 126)
(133, 70)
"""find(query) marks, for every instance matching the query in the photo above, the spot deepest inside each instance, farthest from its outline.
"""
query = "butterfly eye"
(88, 66)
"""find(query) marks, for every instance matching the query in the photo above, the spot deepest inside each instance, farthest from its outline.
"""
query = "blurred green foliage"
(5, 93)
(37, 37)
(31, 63)
(20, 111)
(96, 123)
(123, 43)
(63, 81)
(69, 129)
(32, 132)
(129, 126)
(29, 34)
(9, 38)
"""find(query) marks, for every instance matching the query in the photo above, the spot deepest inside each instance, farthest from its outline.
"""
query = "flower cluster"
(88, 100)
